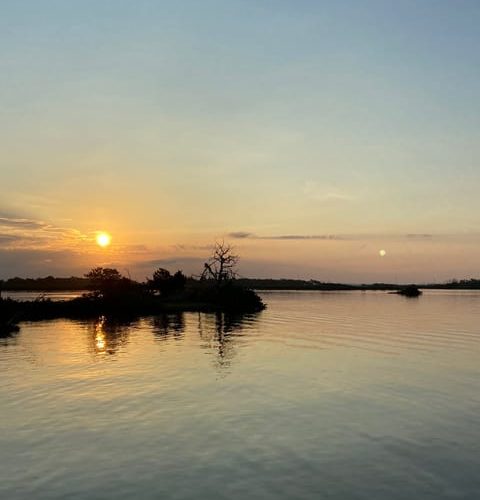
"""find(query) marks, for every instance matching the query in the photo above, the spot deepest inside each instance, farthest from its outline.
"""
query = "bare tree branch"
(221, 266)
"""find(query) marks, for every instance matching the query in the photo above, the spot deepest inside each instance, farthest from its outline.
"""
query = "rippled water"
(28, 295)
(323, 395)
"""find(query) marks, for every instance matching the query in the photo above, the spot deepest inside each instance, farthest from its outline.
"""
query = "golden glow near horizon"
(103, 239)
(382, 253)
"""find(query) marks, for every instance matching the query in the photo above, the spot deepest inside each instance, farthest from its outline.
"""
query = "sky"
(310, 135)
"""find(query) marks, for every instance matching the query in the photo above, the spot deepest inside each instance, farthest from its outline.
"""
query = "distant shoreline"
(50, 284)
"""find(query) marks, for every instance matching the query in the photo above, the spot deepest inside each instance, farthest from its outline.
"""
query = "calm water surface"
(323, 395)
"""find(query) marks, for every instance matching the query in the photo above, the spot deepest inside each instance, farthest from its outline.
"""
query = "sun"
(103, 239)
(382, 252)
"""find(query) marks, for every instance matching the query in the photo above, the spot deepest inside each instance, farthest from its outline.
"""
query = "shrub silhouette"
(109, 283)
(166, 284)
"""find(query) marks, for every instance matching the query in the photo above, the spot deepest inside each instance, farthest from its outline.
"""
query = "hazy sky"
(310, 134)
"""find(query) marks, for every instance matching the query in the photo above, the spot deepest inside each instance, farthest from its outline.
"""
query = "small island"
(113, 295)
(410, 291)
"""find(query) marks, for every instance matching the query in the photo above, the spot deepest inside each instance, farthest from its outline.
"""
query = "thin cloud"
(21, 223)
(419, 236)
(252, 236)
(22, 233)
(240, 235)
(302, 237)
(180, 247)
(245, 235)
(9, 238)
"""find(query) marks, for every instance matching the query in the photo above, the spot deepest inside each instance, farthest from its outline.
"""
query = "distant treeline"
(296, 284)
(74, 283)
(48, 284)
(291, 284)
(45, 284)
(470, 284)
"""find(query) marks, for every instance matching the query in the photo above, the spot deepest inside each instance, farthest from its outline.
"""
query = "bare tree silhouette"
(221, 266)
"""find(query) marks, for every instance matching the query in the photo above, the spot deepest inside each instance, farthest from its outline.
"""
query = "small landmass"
(112, 295)
(410, 291)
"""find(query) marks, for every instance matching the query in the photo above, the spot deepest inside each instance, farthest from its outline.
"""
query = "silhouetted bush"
(410, 291)
(8, 317)
(110, 284)
(226, 297)
(166, 284)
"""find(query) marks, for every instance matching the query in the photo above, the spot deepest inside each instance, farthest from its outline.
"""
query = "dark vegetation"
(296, 284)
(113, 295)
(8, 317)
(470, 284)
(50, 284)
(47, 284)
(410, 291)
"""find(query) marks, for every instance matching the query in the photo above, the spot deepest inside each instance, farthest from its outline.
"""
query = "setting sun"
(103, 239)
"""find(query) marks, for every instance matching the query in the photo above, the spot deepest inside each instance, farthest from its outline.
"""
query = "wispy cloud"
(253, 236)
(21, 223)
(6, 239)
(244, 235)
(241, 235)
(419, 236)
(190, 248)
(23, 233)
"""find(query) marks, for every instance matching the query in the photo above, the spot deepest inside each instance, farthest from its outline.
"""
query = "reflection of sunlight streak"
(100, 342)
(107, 336)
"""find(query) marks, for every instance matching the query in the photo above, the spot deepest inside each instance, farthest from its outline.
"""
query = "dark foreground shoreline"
(133, 303)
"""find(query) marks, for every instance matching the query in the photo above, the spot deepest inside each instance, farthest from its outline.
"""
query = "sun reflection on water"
(100, 341)
(108, 336)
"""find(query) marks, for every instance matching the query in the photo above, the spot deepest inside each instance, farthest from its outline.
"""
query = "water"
(27, 295)
(323, 395)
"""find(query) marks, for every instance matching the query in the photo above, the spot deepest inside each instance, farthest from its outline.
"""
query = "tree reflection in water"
(8, 338)
(107, 336)
(167, 326)
(221, 332)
